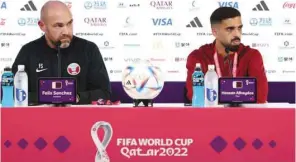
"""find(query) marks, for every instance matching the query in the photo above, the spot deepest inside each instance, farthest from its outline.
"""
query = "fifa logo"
(101, 155)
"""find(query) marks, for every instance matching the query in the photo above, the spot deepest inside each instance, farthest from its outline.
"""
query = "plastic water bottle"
(198, 97)
(7, 88)
(21, 87)
(1, 87)
(211, 87)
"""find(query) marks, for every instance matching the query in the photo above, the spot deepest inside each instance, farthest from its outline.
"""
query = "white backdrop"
(158, 30)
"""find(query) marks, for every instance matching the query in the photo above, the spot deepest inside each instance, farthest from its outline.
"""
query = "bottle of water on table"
(1, 87)
(7, 88)
(211, 87)
(21, 87)
(198, 97)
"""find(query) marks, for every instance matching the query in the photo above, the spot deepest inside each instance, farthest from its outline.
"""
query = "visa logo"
(228, 4)
(162, 22)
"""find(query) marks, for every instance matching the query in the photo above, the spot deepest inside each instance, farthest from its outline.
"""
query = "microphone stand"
(59, 60)
(227, 50)
(59, 68)
(230, 66)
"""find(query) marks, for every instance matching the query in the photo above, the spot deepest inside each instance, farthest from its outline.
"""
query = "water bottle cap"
(197, 65)
(211, 67)
(7, 69)
(21, 67)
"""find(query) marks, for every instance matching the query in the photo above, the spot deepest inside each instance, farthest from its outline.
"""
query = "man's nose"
(237, 33)
(65, 30)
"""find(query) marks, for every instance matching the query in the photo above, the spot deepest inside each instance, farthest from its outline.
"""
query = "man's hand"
(77, 98)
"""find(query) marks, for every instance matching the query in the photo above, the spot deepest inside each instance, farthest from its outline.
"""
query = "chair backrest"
(186, 100)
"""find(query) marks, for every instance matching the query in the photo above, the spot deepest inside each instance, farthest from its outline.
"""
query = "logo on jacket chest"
(73, 69)
(40, 68)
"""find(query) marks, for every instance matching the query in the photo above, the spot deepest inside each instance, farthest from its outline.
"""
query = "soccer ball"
(142, 81)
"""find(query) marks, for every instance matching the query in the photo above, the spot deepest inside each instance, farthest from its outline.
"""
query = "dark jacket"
(250, 63)
(42, 61)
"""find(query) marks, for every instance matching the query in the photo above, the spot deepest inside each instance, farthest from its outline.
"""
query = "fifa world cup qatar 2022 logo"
(101, 155)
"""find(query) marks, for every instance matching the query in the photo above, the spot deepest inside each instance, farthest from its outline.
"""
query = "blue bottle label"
(7, 89)
(7, 81)
(198, 80)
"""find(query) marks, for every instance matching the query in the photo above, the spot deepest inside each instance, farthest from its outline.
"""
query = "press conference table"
(164, 133)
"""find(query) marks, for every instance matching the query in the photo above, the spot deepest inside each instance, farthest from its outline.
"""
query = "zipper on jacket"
(59, 64)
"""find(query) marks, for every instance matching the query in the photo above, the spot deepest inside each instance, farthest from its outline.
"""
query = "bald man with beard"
(79, 58)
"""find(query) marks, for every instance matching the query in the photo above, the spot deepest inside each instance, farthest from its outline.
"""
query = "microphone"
(227, 50)
(58, 45)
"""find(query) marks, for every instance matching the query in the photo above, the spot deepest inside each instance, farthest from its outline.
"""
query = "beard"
(63, 42)
(230, 47)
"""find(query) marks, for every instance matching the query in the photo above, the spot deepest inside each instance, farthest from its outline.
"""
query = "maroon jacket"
(250, 63)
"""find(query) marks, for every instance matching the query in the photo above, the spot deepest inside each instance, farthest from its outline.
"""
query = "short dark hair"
(223, 13)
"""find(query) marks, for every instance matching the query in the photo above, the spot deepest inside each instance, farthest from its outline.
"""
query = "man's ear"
(41, 25)
(214, 32)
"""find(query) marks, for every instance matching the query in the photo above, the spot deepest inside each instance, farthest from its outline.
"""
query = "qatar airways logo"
(289, 5)
(96, 21)
(162, 5)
